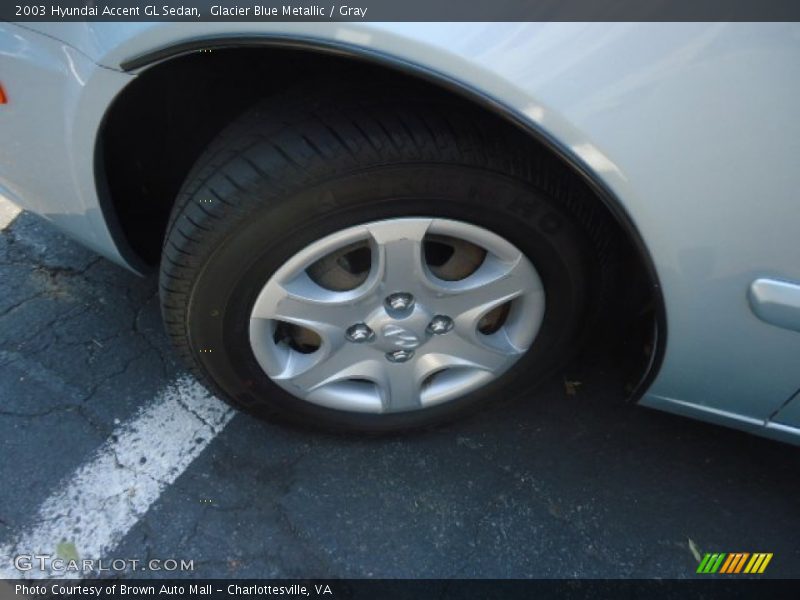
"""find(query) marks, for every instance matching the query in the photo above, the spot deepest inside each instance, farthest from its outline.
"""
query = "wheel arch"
(156, 65)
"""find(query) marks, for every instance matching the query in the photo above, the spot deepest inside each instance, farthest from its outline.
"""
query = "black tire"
(291, 171)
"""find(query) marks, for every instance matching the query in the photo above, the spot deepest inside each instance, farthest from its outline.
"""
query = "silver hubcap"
(396, 315)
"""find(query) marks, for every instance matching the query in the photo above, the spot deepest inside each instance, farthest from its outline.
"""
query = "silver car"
(380, 226)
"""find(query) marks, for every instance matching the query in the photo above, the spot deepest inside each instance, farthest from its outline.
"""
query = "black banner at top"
(399, 10)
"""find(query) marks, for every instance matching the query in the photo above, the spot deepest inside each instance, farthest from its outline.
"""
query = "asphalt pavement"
(554, 484)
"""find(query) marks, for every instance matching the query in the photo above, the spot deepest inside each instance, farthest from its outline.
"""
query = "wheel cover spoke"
(474, 351)
(492, 285)
(317, 309)
(400, 387)
(400, 253)
(336, 365)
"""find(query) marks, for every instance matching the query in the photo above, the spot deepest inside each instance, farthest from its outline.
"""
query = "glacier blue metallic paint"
(691, 126)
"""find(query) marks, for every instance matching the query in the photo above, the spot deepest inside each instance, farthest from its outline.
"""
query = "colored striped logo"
(733, 563)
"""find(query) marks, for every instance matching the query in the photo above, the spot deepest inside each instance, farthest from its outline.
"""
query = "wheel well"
(163, 120)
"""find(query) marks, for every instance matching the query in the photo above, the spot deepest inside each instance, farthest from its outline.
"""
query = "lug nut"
(399, 301)
(399, 356)
(440, 324)
(359, 333)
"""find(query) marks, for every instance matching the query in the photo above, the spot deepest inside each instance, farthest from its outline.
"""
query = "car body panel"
(56, 101)
(789, 415)
(691, 126)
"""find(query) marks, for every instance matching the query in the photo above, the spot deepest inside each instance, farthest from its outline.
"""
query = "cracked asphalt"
(551, 485)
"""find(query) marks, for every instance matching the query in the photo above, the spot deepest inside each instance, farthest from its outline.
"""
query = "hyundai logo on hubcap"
(399, 337)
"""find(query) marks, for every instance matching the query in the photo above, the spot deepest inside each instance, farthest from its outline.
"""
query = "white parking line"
(8, 212)
(104, 498)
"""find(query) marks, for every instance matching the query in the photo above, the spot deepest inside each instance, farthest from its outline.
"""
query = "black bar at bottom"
(390, 589)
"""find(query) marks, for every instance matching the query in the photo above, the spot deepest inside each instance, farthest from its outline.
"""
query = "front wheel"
(372, 267)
